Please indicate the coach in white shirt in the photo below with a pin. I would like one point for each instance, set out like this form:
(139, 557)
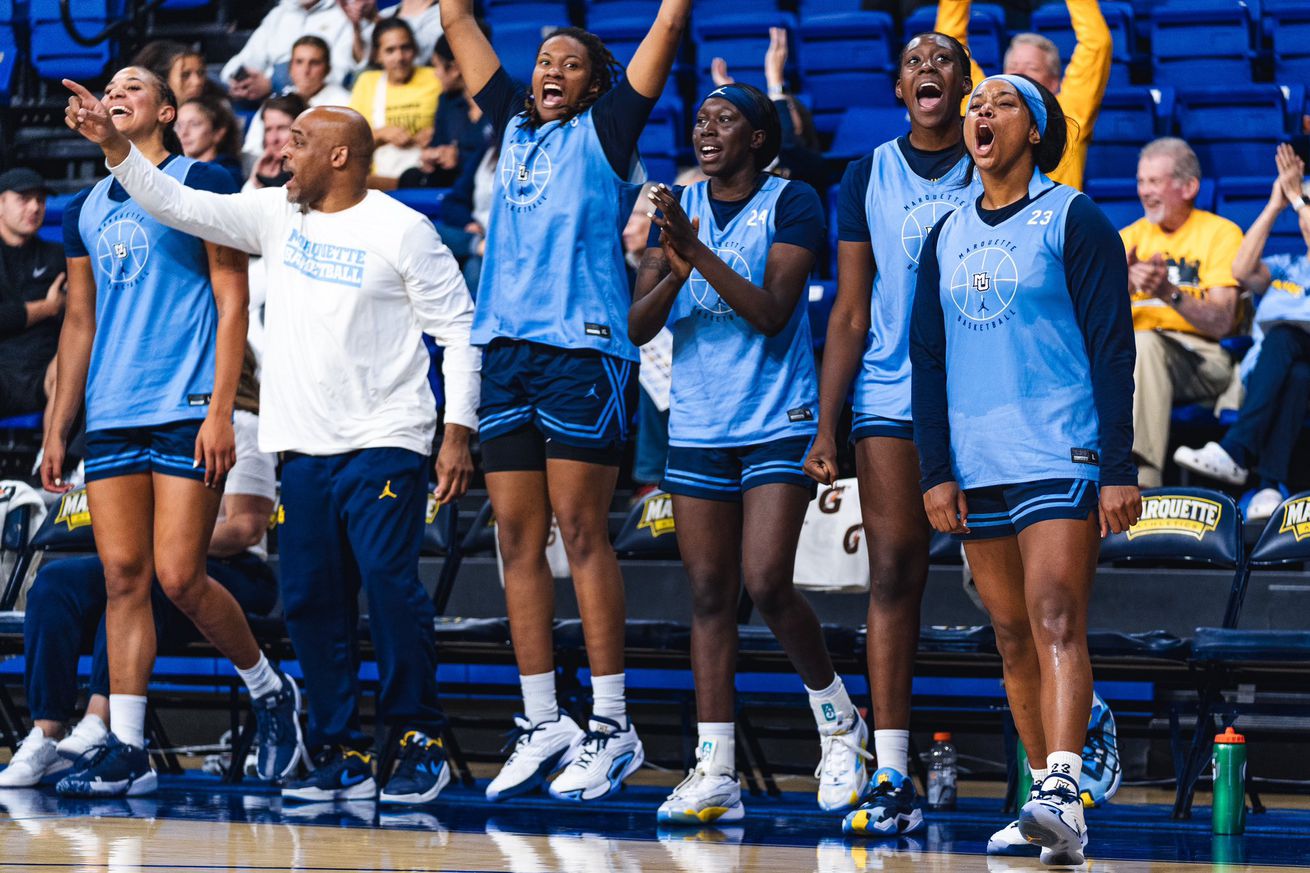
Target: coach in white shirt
(354, 277)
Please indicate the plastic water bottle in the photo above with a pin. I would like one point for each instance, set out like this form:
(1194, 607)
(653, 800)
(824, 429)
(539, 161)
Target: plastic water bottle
(941, 772)
(1228, 814)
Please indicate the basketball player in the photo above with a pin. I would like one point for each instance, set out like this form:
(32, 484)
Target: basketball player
(726, 268)
(153, 337)
(561, 374)
(888, 203)
(1022, 352)
(355, 276)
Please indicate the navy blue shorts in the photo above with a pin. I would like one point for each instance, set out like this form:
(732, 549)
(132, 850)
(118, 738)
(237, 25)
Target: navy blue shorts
(169, 449)
(576, 404)
(1004, 510)
(725, 473)
(866, 425)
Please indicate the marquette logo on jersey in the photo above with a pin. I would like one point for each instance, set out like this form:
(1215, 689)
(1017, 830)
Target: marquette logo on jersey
(922, 214)
(703, 292)
(525, 173)
(324, 261)
(122, 250)
(984, 283)
(657, 515)
(1296, 519)
(1177, 514)
(73, 510)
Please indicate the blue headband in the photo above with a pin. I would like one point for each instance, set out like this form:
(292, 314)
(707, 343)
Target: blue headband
(1028, 91)
(740, 98)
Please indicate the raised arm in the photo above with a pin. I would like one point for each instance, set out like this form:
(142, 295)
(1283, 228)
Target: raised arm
(953, 20)
(650, 66)
(1088, 71)
(233, 220)
(477, 60)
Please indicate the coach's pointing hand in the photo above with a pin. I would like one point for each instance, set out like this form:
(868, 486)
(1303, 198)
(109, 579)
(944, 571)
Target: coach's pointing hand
(87, 115)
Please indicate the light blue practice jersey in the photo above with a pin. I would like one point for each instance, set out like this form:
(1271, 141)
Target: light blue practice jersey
(1018, 379)
(554, 270)
(901, 207)
(732, 385)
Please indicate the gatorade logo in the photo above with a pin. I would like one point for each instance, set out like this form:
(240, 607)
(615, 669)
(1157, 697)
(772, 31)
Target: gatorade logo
(657, 515)
(830, 500)
(850, 541)
(1296, 519)
(73, 510)
(829, 712)
(1177, 514)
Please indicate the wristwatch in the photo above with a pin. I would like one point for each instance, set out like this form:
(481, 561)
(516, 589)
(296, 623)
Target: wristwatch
(1175, 298)
(1302, 204)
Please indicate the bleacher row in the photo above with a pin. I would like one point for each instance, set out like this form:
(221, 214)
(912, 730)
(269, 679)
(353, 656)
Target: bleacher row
(1194, 529)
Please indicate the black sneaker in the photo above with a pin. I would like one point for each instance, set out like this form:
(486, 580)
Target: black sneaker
(339, 774)
(114, 769)
(421, 772)
(278, 741)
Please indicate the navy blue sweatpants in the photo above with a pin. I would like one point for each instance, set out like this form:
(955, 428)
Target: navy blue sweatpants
(350, 520)
(66, 613)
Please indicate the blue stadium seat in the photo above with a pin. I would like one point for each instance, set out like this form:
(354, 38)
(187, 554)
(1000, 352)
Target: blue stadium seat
(863, 127)
(9, 56)
(1241, 199)
(12, 11)
(1233, 129)
(1289, 26)
(1129, 119)
(664, 133)
(1201, 42)
(739, 40)
(54, 55)
(517, 45)
(988, 36)
(1118, 198)
(1053, 22)
(541, 13)
(812, 8)
(425, 200)
(847, 60)
(622, 36)
(603, 11)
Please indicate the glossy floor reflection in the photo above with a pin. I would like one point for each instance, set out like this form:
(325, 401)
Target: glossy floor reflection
(196, 824)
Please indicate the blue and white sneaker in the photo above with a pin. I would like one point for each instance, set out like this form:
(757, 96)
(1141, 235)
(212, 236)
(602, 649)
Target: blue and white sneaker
(279, 744)
(114, 769)
(843, 776)
(1054, 820)
(609, 754)
(1101, 768)
(890, 811)
(421, 771)
(540, 751)
(339, 774)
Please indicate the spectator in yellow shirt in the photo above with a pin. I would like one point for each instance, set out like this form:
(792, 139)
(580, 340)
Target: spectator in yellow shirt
(1082, 86)
(1180, 273)
(399, 100)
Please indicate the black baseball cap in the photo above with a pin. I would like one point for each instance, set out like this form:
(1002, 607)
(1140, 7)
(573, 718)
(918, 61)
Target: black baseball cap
(22, 179)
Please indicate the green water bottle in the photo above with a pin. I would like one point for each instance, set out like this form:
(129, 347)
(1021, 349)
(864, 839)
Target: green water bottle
(1228, 814)
(1024, 784)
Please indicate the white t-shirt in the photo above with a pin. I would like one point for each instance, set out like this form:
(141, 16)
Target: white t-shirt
(254, 473)
(269, 47)
(349, 295)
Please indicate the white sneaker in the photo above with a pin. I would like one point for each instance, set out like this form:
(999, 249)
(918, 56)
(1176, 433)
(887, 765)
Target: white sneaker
(842, 774)
(89, 733)
(1264, 503)
(539, 750)
(710, 793)
(609, 754)
(1008, 841)
(35, 759)
(1211, 460)
(1054, 820)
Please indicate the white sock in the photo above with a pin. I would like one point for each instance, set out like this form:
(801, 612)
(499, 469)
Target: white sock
(891, 749)
(608, 700)
(832, 707)
(717, 742)
(1068, 764)
(261, 679)
(91, 726)
(127, 715)
(1039, 775)
(539, 703)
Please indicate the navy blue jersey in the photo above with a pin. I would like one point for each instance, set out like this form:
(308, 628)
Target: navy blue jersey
(731, 384)
(1022, 345)
(152, 361)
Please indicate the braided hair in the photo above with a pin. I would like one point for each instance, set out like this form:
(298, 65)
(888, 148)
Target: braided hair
(605, 72)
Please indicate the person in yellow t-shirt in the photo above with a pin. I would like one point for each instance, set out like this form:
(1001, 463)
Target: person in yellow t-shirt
(1185, 299)
(1079, 90)
(399, 100)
